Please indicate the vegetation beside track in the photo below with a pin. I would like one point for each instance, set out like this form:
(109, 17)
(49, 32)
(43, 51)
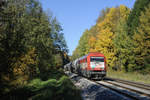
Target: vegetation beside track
(57, 86)
(32, 53)
(131, 76)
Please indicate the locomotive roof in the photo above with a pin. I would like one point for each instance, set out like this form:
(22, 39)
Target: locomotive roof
(83, 57)
(90, 54)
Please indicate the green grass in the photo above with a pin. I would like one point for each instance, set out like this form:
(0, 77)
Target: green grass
(132, 76)
(56, 87)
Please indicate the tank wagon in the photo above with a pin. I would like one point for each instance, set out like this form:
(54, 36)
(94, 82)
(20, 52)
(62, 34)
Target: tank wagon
(92, 65)
(75, 66)
(68, 67)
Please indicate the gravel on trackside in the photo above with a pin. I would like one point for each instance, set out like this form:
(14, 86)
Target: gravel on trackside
(93, 91)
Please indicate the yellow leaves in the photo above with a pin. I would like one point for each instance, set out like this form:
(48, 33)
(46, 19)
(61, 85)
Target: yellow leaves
(102, 35)
(20, 81)
(104, 38)
(113, 16)
(23, 63)
(5, 77)
(91, 43)
(110, 16)
(124, 12)
(104, 43)
(23, 67)
(141, 38)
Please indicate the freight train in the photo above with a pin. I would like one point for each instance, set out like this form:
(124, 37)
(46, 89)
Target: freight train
(92, 65)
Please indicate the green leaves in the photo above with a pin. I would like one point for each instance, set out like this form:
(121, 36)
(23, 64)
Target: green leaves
(123, 37)
(29, 40)
(133, 20)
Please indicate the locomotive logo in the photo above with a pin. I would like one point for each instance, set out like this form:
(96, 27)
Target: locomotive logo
(97, 65)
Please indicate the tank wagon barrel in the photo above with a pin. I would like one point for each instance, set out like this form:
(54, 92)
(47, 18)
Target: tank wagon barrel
(68, 66)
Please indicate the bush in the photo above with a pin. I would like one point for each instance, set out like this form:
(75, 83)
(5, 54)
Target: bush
(55, 90)
(37, 89)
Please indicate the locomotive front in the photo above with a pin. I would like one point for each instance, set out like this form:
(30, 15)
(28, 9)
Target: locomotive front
(97, 65)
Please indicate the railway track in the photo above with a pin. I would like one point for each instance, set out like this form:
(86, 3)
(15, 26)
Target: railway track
(132, 90)
(135, 84)
(129, 89)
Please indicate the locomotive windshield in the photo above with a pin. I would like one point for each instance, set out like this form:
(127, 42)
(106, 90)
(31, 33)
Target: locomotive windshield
(97, 59)
(97, 62)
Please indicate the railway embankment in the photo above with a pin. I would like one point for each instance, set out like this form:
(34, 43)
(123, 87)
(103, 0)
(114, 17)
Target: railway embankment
(107, 90)
(93, 91)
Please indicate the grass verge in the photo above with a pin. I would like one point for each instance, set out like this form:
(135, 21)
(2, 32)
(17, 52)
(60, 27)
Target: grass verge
(132, 76)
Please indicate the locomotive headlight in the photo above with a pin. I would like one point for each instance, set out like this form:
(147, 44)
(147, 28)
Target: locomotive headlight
(102, 68)
(102, 65)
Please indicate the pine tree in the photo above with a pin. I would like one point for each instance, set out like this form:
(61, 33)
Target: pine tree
(123, 48)
(133, 20)
(142, 41)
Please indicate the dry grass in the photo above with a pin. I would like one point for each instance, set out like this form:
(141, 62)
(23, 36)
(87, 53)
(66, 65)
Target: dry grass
(136, 77)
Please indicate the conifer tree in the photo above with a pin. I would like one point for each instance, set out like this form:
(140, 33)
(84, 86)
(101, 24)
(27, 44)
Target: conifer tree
(142, 41)
(123, 48)
(133, 20)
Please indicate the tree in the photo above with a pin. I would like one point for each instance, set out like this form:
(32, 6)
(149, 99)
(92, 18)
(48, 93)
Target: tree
(102, 15)
(75, 54)
(107, 31)
(30, 41)
(105, 46)
(141, 42)
(123, 48)
(133, 20)
(82, 48)
(92, 43)
(89, 38)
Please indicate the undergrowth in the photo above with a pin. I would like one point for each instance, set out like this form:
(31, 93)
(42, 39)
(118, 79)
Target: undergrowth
(56, 87)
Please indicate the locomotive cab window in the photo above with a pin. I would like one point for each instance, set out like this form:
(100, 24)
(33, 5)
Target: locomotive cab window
(97, 59)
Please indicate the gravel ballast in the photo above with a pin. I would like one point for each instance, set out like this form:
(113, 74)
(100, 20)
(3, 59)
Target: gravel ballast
(93, 91)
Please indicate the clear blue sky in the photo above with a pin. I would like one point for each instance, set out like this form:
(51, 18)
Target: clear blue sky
(77, 15)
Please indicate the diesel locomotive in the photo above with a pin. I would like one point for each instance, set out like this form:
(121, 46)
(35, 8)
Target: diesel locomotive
(92, 65)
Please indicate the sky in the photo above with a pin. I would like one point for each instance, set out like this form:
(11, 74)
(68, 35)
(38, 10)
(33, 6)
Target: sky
(75, 16)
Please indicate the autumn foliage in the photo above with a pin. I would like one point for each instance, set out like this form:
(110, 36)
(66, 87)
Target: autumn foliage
(126, 49)
(32, 46)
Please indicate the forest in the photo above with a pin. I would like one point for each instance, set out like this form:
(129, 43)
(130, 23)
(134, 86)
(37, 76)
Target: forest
(32, 54)
(33, 49)
(122, 35)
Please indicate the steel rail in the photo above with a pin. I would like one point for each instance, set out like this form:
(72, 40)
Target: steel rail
(123, 93)
(118, 91)
(132, 90)
(131, 83)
